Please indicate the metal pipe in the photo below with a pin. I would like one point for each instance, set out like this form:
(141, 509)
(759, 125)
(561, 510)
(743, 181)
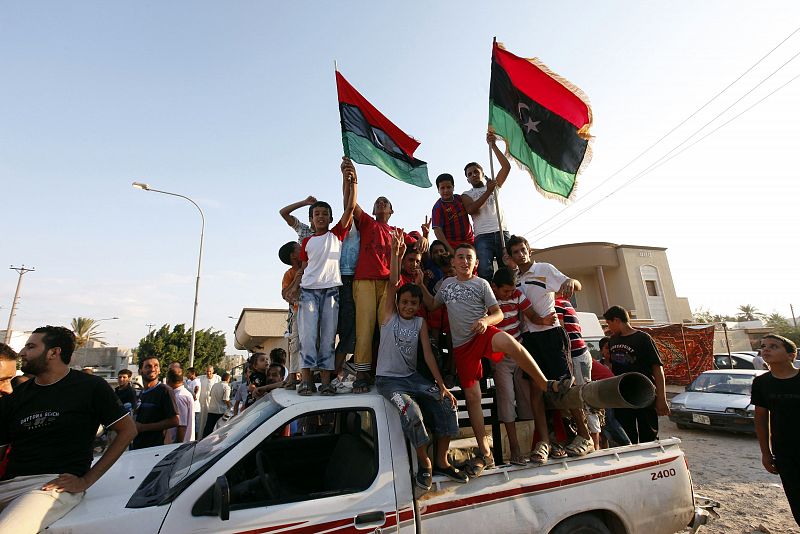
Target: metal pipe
(629, 390)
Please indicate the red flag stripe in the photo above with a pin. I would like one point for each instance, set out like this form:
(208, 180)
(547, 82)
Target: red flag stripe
(542, 87)
(376, 119)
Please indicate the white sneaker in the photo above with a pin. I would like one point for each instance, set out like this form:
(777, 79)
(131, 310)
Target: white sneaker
(341, 386)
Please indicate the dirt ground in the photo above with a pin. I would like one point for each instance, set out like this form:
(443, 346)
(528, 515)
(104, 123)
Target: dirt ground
(727, 468)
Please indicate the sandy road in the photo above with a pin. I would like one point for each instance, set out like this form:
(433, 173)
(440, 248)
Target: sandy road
(727, 467)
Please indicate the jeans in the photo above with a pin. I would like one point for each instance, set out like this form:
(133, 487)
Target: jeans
(613, 431)
(488, 248)
(317, 318)
(409, 394)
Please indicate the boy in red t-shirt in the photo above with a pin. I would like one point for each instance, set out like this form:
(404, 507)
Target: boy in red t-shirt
(449, 217)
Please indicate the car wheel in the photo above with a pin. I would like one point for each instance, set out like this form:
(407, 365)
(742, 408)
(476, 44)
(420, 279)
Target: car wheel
(582, 524)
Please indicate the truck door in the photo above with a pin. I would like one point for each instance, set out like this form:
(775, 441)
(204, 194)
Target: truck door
(320, 471)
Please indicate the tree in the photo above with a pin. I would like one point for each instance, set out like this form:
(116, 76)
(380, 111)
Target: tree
(748, 312)
(173, 345)
(704, 315)
(85, 330)
(777, 321)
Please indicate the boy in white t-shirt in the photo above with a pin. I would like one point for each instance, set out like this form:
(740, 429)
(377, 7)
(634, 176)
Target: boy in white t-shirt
(318, 311)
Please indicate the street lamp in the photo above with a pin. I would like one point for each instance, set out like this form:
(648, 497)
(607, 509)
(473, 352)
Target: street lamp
(146, 187)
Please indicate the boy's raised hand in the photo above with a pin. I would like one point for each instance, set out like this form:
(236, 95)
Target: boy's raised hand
(348, 169)
(491, 138)
(310, 200)
(426, 227)
(398, 244)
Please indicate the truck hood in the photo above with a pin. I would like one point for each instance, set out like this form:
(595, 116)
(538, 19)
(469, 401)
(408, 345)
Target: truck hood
(711, 402)
(103, 507)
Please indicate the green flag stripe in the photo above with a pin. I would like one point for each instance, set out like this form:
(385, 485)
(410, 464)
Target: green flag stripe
(547, 177)
(362, 150)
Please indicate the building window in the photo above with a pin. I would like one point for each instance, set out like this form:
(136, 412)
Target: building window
(652, 288)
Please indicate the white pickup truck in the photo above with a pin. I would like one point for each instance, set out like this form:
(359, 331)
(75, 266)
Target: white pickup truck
(341, 464)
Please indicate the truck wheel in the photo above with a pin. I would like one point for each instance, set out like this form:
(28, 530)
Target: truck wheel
(582, 524)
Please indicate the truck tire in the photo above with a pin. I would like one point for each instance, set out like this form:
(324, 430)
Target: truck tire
(582, 524)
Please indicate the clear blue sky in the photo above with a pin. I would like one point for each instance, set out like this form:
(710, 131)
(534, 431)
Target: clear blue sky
(234, 105)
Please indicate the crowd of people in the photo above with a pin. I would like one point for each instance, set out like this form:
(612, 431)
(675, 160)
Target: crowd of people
(389, 310)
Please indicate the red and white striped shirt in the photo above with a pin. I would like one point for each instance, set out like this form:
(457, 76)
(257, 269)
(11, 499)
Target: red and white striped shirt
(512, 308)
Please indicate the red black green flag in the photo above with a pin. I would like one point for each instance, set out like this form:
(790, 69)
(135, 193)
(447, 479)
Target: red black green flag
(544, 120)
(372, 139)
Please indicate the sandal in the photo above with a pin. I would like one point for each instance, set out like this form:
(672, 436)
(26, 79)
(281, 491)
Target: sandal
(306, 388)
(518, 459)
(452, 473)
(580, 446)
(557, 451)
(361, 386)
(477, 465)
(424, 479)
(327, 390)
(540, 453)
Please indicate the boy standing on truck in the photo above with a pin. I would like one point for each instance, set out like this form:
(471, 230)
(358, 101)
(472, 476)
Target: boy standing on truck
(449, 218)
(468, 299)
(318, 313)
(398, 380)
(634, 351)
(289, 254)
(776, 396)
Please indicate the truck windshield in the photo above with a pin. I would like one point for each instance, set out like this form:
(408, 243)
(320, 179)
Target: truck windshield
(168, 478)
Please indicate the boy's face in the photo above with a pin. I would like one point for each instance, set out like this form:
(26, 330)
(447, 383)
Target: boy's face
(407, 305)
(411, 263)
(464, 263)
(502, 292)
(123, 380)
(294, 254)
(274, 375)
(320, 218)
(381, 207)
(520, 254)
(260, 364)
(446, 190)
(192, 375)
(437, 251)
(773, 351)
(614, 326)
(474, 175)
(604, 351)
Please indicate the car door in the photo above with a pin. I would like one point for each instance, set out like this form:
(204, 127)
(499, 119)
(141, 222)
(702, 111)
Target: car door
(329, 471)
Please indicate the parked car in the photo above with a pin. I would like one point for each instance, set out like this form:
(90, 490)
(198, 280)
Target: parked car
(736, 360)
(717, 399)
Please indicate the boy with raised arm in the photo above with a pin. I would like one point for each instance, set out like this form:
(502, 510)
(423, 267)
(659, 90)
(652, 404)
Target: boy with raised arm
(318, 312)
(473, 312)
(302, 229)
(399, 381)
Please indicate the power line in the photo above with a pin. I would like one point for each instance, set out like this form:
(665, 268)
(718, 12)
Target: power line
(663, 161)
(684, 121)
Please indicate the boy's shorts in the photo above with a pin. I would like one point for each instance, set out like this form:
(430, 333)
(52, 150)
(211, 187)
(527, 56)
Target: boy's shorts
(468, 357)
(550, 350)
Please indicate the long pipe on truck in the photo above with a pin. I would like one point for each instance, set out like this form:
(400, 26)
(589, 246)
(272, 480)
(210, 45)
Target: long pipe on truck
(629, 390)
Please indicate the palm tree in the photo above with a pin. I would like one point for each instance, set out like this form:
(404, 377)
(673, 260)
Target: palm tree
(85, 330)
(748, 312)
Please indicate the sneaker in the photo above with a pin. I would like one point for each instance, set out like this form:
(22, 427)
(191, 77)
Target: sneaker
(341, 386)
(454, 474)
(424, 479)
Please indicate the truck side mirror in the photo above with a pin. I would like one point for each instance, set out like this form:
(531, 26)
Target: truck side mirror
(222, 498)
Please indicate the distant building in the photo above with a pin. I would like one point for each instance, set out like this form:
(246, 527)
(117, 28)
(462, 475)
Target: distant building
(261, 330)
(104, 361)
(637, 278)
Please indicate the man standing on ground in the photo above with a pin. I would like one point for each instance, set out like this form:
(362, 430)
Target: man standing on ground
(207, 381)
(219, 402)
(192, 383)
(124, 390)
(479, 203)
(156, 412)
(184, 402)
(50, 423)
(634, 351)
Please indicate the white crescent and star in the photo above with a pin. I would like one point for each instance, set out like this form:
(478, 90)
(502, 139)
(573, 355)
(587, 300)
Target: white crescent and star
(530, 125)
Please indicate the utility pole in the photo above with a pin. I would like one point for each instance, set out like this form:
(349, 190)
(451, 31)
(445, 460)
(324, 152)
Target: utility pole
(149, 328)
(794, 319)
(21, 270)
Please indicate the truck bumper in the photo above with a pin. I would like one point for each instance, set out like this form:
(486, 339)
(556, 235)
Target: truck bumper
(704, 511)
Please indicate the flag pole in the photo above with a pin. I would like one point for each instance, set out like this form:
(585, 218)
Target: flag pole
(345, 144)
(494, 193)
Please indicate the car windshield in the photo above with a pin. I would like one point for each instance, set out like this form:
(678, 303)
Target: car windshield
(730, 383)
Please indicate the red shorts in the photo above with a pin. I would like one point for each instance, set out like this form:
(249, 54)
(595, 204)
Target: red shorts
(468, 357)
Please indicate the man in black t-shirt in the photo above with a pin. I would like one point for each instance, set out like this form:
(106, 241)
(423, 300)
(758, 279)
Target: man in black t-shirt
(156, 411)
(634, 351)
(124, 390)
(48, 424)
(776, 396)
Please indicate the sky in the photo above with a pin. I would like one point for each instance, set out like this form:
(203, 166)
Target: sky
(234, 105)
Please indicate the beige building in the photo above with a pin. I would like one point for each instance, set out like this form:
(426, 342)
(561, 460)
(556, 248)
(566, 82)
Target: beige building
(637, 278)
(261, 330)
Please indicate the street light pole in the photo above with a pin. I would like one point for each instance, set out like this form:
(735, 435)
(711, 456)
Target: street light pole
(21, 270)
(145, 187)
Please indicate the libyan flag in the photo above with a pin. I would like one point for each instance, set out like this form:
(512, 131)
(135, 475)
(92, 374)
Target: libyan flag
(372, 139)
(544, 120)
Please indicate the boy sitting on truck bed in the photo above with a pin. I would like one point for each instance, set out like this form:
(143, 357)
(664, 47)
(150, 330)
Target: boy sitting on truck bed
(397, 378)
(468, 298)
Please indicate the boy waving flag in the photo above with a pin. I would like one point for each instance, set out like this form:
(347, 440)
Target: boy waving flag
(372, 139)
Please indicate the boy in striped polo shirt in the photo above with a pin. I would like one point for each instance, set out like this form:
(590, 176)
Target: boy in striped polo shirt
(449, 218)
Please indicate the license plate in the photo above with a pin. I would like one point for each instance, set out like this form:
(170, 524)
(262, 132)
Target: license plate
(702, 419)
